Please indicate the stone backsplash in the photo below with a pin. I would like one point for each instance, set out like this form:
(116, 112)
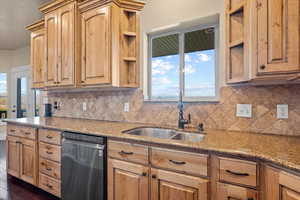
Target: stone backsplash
(108, 105)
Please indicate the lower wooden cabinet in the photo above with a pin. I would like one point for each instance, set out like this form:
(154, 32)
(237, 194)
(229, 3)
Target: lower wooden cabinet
(230, 192)
(167, 185)
(28, 161)
(127, 181)
(280, 185)
(13, 156)
(22, 159)
(289, 194)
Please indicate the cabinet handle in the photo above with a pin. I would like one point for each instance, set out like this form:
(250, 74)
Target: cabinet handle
(233, 198)
(262, 67)
(48, 169)
(237, 173)
(49, 186)
(154, 176)
(49, 137)
(177, 162)
(49, 152)
(144, 174)
(12, 131)
(27, 133)
(125, 153)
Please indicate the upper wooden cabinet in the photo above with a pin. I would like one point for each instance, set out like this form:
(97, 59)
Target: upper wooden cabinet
(263, 41)
(110, 43)
(95, 38)
(90, 43)
(60, 46)
(37, 53)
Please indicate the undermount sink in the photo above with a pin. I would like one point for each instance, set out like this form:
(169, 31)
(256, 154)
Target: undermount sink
(163, 133)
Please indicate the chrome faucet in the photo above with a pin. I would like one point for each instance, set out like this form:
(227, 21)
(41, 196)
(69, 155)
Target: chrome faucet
(181, 121)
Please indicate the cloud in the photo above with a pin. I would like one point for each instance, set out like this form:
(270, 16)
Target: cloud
(188, 58)
(203, 57)
(161, 81)
(161, 67)
(189, 69)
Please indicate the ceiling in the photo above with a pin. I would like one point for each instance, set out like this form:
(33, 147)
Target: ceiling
(14, 16)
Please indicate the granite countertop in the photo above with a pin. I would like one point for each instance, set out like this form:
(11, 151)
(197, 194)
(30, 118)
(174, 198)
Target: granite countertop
(281, 150)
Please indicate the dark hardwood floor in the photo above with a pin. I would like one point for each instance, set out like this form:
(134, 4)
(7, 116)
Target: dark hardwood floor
(14, 189)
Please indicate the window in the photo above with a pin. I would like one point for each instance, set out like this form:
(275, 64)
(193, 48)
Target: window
(183, 61)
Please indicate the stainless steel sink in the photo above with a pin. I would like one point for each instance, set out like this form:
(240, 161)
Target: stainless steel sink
(163, 133)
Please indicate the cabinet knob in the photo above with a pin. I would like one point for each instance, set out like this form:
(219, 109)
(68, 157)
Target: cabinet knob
(262, 67)
(144, 174)
(154, 176)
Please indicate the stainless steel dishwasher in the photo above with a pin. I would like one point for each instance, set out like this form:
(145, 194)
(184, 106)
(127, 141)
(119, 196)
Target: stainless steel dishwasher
(83, 167)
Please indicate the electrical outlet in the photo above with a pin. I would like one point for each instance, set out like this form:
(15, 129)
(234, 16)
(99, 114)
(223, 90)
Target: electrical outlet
(126, 107)
(282, 111)
(244, 110)
(84, 106)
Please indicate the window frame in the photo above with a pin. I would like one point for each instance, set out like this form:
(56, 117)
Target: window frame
(181, 29)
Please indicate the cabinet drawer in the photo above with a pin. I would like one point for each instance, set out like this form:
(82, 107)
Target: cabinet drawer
(180, 161)
(49, 184)
(230, 192)
(50, 168)
(129, 152)
(238, 171)
(51, 152)
(50, 136)
(22, 131)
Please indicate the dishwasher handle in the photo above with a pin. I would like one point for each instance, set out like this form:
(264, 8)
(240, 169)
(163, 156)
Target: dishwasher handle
(84, 144)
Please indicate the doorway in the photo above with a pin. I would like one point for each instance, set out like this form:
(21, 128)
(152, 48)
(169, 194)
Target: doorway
(22, 96)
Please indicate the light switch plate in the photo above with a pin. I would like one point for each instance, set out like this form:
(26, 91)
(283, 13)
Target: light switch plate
(244, 110)
(126, 107)
(282, 111)
(84, 106)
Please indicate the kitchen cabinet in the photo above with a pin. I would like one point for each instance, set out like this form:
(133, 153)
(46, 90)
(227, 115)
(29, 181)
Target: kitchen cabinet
(263, 41)
(28, 161)
(50, 161)
(231, 192)
(13, 156)
(290, 195)
(110, 43)
(22, 158)
(280, 185)
(60, 46)
(37, 53)
(127, 181)
(166, 185)
(89, 44)
(95, 64)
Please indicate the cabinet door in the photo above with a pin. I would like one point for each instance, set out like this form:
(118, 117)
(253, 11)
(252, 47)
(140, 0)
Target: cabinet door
(290, 195)
(127, 181)
(230, 192)
(173, 186)
(95, 33)
(278, 36)
(38, 58)
(51, 26)
(28, 161)
(66, 42)
(13, 156)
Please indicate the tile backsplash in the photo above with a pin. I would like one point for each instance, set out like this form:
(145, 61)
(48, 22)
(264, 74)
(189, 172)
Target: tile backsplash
(109, 105)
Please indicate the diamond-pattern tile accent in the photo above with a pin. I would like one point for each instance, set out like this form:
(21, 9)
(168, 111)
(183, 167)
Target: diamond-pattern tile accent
(108, 105)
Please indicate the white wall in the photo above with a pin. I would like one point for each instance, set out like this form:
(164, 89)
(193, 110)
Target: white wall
(162, 13)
